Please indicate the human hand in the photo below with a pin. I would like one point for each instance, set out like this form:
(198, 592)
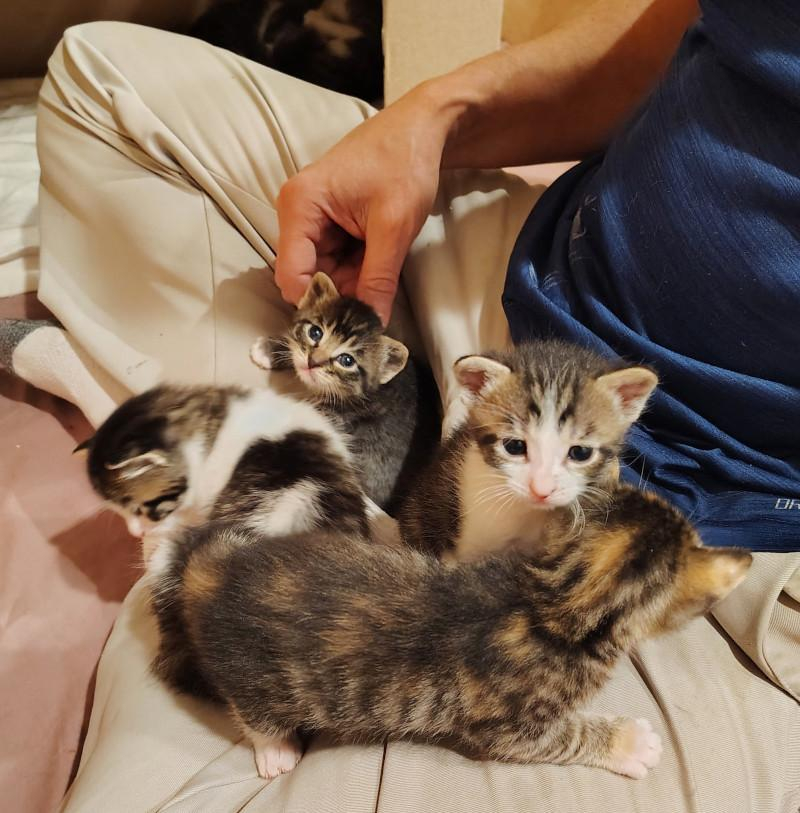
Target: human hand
(355, 212)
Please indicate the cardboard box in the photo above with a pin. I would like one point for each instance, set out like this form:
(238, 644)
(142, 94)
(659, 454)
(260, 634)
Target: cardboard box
(422, 39)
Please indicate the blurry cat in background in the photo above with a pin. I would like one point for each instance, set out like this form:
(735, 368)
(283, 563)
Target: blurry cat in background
(335, 44)
(540, 436)
(385, 401)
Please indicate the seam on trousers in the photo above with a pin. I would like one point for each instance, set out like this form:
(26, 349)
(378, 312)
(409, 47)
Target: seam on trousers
(689, 781)
(213, 279)
(380, 778)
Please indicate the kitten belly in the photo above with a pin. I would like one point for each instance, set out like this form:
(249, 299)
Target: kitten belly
(489, 522)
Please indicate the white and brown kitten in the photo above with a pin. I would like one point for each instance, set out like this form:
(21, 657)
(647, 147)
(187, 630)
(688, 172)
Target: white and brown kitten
(178, 456)
(542, 431)
(385, 401)
(321, 632)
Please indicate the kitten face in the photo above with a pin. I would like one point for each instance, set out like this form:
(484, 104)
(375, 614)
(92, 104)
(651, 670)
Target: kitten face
(551, 421)
(337, 346)
(649, 560)
(136, 459)
(143, 487)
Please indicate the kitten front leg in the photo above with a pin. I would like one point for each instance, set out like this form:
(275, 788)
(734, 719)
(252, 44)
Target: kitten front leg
(270, 354)
(276, 754)
(619, 744)
(275, 751)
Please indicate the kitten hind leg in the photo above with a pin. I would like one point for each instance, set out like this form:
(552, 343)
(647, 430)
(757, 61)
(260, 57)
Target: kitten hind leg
(619, 744)
(635, 749)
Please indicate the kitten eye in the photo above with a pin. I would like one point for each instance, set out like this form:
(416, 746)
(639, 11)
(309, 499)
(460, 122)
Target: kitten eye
(315, 333)
(346, 360)
(515, 447)
(580, 454)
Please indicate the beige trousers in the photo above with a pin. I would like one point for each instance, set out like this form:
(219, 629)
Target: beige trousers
(161, 161)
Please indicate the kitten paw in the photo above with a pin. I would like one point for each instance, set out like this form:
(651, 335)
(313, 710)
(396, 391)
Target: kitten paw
(259, 353)
(276, 755)
(636, 749)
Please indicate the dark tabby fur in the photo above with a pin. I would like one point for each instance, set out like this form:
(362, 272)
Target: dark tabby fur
(322, 632)
(545, 388)
(385, 402)
(335, 44)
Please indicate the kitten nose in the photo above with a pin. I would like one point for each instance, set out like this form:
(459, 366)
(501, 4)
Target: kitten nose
(312, 363)
(539, 493)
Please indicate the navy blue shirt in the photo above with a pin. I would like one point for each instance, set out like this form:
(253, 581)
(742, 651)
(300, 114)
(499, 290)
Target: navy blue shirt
(680, 248)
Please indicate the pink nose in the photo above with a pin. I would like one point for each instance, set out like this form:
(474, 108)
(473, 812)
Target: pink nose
(540, 496)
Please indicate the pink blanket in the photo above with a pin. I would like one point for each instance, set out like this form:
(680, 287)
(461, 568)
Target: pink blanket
(64, 568)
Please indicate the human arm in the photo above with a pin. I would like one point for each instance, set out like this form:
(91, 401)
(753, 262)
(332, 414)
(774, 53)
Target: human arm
(355, 211)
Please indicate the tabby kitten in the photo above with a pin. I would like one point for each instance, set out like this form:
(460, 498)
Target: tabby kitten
(335, 44)
(322, 632)
(385, 402)
(541, 431)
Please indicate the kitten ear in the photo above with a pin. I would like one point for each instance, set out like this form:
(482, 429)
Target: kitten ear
(320, 289)
(629, 389)
(83, 447)
(395, 356)
(712, 573)
(479, 374)
(138, 465)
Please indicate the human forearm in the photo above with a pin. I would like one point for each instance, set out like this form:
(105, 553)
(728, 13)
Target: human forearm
(560, 96)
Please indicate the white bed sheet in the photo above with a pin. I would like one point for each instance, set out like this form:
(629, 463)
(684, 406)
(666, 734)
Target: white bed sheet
(19, 187)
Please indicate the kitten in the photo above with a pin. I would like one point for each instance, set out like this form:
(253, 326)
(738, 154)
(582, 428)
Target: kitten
(384, 401)
(198, 453)
(335, 44)
(319, 631)
(542, 430)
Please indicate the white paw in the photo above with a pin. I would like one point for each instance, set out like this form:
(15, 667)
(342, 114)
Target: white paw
(276, 755)
(259, 353)
(636, 749)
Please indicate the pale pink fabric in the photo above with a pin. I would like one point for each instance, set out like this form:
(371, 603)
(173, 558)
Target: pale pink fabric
(64, 569)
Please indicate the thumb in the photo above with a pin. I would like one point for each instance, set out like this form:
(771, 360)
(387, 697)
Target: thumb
(387, 243)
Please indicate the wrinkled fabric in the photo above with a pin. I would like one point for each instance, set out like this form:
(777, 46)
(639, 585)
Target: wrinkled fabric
(679, 248)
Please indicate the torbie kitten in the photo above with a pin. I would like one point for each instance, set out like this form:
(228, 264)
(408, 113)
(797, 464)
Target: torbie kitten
(543, 427)
(385, 402)
(318, 631)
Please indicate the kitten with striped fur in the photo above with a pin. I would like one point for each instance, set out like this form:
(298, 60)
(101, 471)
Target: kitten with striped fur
(539, 431)
(385, 402)
(321, 632)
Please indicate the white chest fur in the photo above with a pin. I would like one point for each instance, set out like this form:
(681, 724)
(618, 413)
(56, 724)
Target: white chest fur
(492, 520)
